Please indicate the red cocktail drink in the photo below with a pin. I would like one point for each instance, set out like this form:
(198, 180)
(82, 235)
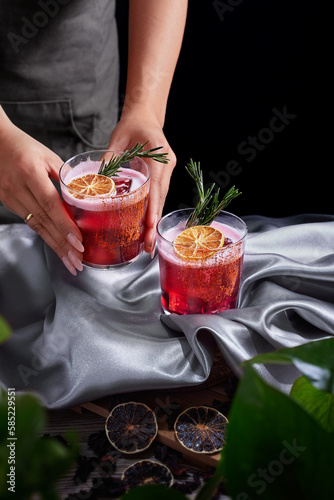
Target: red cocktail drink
(112, 224)
(208, 285)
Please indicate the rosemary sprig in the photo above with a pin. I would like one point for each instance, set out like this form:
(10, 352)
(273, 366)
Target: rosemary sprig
(208, 205)
(112, 167)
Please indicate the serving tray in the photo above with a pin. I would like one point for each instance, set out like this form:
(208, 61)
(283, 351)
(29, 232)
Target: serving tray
(163, 402)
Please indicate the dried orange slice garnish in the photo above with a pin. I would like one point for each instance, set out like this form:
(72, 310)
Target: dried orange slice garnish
(147, 472)
(198, 242)
(131, 427)
(201, 429)
(92, 185)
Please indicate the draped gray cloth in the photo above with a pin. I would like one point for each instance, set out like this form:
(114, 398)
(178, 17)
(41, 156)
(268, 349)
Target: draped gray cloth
(103, 332)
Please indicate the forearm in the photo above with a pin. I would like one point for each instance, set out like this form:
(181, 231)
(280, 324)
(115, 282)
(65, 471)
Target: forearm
(155, 36)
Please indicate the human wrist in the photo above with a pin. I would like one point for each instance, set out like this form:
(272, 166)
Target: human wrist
(148, 110)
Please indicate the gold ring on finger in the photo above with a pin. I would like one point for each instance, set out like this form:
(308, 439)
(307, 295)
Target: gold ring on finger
(27, 219)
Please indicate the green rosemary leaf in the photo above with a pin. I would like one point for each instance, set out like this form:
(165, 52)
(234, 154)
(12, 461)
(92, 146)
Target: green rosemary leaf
(208, 205)
(111, 168)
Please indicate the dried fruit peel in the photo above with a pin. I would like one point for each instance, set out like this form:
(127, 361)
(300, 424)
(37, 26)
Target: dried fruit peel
(131, 427)
(91, 185)
(148, 472)
(201, 429)
(198, 242)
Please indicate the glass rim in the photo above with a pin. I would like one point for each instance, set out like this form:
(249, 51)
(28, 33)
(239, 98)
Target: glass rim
(190, 210)
(102, 196)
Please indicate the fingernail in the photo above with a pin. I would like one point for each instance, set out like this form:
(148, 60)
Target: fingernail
(74, 259)
(152, 253)
(69, 266)
(75, 242)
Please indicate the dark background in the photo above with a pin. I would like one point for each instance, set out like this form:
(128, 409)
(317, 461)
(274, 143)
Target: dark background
(240, 61)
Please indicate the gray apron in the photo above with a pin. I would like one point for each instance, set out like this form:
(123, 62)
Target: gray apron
(59, 71)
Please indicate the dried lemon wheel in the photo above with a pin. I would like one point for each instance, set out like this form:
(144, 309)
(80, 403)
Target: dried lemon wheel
(92, 185)
(131, 427)
(147, 472)
(198, 242)
(201, 429)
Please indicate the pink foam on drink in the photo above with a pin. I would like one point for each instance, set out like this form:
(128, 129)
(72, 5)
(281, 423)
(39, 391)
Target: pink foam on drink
(128, 180)
(168, 253)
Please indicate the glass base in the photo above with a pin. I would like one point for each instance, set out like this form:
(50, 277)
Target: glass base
(232, 305)
(165, 310)
(109, 267)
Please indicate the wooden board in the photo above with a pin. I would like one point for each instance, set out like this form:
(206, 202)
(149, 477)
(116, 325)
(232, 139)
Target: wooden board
(202, 394)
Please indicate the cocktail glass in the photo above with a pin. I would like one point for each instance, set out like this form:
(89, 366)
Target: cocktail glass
(196, 286)
(112, 227)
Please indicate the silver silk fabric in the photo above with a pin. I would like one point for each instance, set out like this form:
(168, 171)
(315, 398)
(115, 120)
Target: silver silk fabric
(79, 338)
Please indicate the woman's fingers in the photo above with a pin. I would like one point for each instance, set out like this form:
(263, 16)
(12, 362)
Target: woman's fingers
(26, 189)
(128, 132)
(51, 221)
(160, 180)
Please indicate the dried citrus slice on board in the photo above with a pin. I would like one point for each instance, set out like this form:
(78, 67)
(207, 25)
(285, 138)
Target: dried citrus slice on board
(198, 242)
(201, 429)
(148, 472)
(131, 427)
(92, 185)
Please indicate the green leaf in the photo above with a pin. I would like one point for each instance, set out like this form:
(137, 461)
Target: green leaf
(317, 403)
(210, 486)
(39, 462)
(29, 421)
(51, 459)
(153, 492)
(315, 360)
(274, 448)
(5, 330)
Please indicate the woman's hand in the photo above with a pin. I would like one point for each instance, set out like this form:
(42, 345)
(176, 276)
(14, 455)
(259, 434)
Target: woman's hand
(137, 128)
(26, 167)
(155, 36)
